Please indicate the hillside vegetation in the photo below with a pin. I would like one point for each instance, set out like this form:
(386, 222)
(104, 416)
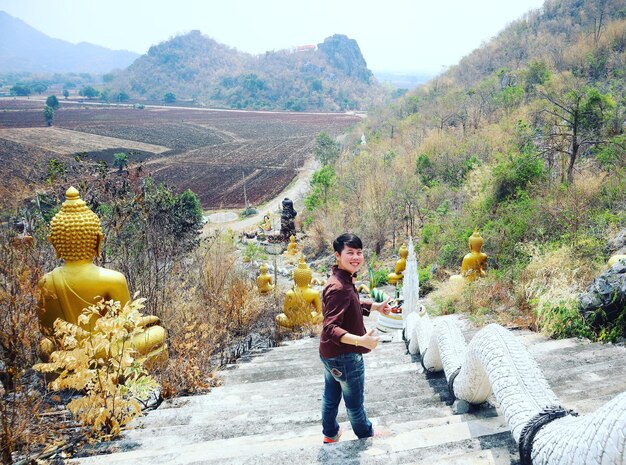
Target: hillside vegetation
(333, 76)
(523, 139)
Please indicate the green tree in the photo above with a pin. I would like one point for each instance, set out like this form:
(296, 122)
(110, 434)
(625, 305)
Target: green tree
(148, 234)
(40, 88)
(20, 90)
(169, 97)
(516, 172)
(122, 97)
(575, 119)
(89, 92)
(120, 161)
(537, 74)
(53, 102)
(48, 114)
(321, 184)
(104, 95)
(326, 149)
(66, 93)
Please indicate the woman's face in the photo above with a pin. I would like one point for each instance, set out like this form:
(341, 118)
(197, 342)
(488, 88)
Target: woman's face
(350, 259)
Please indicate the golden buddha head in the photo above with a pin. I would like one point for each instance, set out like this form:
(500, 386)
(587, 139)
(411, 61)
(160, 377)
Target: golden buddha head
(263, 268)
(302, 274)
(75, 231)
(475, 241)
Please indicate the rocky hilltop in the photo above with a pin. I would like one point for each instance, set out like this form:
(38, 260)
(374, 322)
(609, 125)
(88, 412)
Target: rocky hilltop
(329, 76)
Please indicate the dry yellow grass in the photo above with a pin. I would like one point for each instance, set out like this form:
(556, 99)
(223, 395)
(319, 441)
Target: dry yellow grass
(66, 141)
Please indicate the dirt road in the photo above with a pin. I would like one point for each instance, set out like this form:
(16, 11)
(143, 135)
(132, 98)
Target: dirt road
(295, 191)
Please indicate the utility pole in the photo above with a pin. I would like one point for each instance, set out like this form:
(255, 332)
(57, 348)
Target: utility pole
(245, 194)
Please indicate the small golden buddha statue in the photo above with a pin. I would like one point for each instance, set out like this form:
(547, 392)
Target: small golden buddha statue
(264, 281)
(76, 236)
(292, 247)
(475, 262)
(303, 304)
(318, 282)
(266, 224)
(397, 276)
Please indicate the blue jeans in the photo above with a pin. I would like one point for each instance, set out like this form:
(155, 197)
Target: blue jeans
(345, 375)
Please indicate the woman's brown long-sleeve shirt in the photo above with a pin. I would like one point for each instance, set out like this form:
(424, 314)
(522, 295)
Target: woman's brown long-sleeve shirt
(343, 313)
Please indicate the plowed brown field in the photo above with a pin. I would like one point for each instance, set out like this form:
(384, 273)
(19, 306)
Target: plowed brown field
(208, 151)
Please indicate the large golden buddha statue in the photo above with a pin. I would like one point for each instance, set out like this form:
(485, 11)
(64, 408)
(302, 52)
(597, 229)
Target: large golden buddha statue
(303, 304)
(78, 283)
(264, 281)
(475, 262)
(394, 278)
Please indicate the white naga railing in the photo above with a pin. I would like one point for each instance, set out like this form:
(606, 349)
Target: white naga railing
(495, 361)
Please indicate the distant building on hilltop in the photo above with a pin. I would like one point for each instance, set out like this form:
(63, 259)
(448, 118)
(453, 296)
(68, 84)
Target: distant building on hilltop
(305, 48)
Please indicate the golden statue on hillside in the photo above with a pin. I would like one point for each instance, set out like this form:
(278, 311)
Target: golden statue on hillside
(616, 258)
(292, 247)
(475, 262)
(303, 304)
(264, 282)
(394, 278)
(266, 224)
(76, 235)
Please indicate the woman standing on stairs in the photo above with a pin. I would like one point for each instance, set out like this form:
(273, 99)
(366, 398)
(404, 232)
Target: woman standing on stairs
(343, 341)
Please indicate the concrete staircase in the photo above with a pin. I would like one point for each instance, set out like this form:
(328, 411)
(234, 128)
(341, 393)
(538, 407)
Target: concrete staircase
(268, 410)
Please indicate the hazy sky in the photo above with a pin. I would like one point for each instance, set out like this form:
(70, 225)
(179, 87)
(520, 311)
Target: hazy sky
(394, 35)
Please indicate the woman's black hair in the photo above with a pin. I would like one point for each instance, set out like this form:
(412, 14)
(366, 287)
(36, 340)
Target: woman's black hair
(347, 239)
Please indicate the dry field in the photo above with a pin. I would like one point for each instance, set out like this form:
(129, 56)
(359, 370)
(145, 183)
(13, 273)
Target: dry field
(66, 141)
(208, 151)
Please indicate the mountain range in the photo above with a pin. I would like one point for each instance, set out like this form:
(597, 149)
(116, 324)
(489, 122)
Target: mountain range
(193, 67)
(25, 49)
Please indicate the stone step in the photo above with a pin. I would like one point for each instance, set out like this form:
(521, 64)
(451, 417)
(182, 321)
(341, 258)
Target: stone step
(260, 370)
(267, 422)
(358, 453)
(287, 353)
(496, 456)
(267, 380)
(245, 423)
(403, 437)
(379, 400)
(413, 408)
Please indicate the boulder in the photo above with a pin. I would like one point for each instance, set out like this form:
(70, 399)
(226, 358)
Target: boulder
(608, 294)
(618, 244)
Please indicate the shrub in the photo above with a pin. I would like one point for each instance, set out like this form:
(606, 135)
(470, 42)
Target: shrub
(380, 278)
(212, 306)
(552, 289)
(103, 364)
(447, 297)
(20, 405)
(561, 319)
(248, 212)
(254, 252)
(515, 173)
(425, 281)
